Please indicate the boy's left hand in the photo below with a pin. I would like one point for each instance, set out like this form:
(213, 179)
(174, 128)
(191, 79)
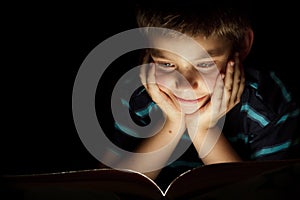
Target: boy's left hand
(226, 95)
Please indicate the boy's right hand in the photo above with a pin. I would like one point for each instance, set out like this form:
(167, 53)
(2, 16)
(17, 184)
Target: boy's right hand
(162, 99)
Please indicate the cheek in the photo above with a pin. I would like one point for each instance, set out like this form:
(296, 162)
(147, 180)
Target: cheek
(210, 79)
(164, 79)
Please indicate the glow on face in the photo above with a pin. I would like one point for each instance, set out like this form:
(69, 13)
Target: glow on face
(190, 79)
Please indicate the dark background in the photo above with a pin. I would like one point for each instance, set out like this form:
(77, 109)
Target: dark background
(44, 45)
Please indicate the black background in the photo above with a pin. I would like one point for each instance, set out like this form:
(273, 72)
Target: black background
(44, 45)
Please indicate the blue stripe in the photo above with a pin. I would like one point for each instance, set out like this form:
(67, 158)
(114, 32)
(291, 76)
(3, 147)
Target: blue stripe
(185, 136)
(284, 92)
(143, 112)
(146, 110)
(140, 92)
(125, 103)
(239, 136)
(270, 150)
(254, 115)
(253, 85)
(295, 113)
(125, 130)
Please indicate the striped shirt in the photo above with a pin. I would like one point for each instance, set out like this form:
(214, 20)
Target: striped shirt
(263, 126)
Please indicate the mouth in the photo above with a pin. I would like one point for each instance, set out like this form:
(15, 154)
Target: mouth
(190, 101)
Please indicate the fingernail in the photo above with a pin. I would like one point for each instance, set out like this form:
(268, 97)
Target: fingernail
(231, 63)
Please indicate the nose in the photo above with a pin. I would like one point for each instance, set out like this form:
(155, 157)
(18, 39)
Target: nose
(190, 78)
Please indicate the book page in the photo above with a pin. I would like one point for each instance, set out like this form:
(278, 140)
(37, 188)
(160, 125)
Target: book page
(108, 183)
(207, 178)
(280, 183)
(127, 184)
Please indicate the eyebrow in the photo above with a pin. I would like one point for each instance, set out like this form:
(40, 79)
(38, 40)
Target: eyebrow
(160, 53)
(215, 52)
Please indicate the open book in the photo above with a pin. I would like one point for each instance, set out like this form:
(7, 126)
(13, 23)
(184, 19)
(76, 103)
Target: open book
(126, 184)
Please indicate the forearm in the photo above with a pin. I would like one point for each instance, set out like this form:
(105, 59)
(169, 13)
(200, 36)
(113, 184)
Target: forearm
(213, 147)
(155, 151)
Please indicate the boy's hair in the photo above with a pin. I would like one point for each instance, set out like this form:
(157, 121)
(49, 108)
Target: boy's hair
(197, 18)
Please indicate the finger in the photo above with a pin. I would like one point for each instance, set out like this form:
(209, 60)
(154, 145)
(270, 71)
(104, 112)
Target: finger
(152, 87)
(217, 99)
(241, 86)
(236, 81)
(143, 75)
(158, 95)
(228, 84)
(151, 74)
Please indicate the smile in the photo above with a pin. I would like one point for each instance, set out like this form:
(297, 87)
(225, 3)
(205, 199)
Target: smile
(189, 101)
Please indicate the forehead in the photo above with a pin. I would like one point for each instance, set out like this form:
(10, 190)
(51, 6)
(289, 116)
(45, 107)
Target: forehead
(190, 48)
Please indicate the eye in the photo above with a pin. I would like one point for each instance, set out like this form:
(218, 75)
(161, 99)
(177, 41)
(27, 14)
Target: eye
(165, 64)
(206, 65)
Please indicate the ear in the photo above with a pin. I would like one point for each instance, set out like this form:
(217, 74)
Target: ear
(247, 44)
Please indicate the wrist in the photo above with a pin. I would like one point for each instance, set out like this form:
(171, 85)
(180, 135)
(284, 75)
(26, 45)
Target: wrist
(204, 139)
(175, 125)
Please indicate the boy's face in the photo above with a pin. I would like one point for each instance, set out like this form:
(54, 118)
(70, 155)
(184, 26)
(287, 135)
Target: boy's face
(188, 76)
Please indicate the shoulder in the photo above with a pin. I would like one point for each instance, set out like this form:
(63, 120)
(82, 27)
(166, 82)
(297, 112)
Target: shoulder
(269, 117)
(266, 101)
(265, 87)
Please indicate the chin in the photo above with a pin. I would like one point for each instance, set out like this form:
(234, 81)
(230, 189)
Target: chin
(189, 110)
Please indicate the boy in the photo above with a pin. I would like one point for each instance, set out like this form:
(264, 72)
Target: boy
(228, 112)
